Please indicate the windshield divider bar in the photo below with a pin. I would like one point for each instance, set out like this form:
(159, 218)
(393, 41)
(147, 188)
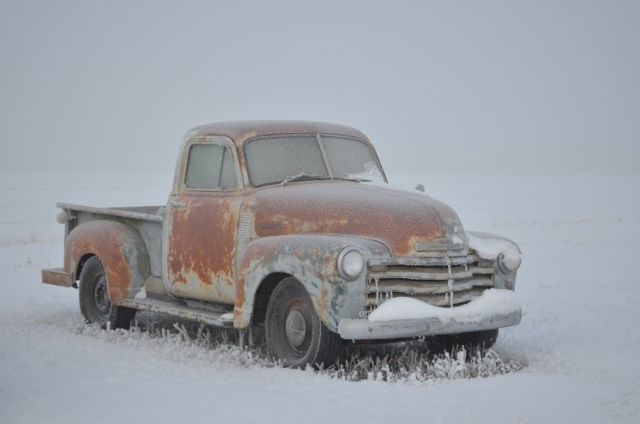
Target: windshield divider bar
(324, 155)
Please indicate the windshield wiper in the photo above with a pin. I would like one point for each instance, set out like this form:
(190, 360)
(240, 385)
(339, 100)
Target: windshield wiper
(357, 179)
(303, 176)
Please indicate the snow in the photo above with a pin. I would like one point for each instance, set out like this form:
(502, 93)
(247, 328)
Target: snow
(578, 338)
(227, 316)
(370, 173)
(491, 302)
(488, 247)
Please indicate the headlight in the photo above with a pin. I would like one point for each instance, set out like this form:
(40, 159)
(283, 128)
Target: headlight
(509, 261)
(350, 263)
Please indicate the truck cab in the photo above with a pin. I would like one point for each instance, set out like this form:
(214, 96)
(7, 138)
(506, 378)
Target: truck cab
(289, 230)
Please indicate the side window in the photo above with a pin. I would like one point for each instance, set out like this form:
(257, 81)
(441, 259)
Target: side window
(210, 167)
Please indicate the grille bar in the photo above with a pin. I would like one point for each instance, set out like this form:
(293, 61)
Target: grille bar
(435, 300)
(411, 288)
(424, 261)
(422, 274)
(440, 281)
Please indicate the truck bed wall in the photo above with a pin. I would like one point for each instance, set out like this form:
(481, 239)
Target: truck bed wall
(149, 230)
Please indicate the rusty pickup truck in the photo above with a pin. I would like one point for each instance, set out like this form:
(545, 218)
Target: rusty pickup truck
(289, 232)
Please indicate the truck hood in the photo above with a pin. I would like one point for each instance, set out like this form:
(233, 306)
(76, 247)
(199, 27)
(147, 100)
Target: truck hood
(406, 222)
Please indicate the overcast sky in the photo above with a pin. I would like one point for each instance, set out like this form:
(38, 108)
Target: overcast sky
(519, 87)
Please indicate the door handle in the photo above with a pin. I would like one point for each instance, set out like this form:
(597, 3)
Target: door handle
(177, 205)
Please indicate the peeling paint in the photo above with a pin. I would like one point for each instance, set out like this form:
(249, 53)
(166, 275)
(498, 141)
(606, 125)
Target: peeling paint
(120, 249)
(311, 259)
(202, 246)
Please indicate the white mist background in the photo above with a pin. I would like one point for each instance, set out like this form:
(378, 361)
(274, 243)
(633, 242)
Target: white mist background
(440, 87)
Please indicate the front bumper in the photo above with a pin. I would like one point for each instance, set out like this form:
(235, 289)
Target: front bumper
(455, 320)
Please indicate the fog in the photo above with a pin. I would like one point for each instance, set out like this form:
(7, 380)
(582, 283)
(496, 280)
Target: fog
(440, 87)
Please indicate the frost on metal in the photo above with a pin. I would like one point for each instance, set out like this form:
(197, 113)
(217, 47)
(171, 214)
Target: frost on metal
(489, 246)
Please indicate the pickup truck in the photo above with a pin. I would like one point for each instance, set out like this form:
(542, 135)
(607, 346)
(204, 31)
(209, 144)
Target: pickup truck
(289, 233)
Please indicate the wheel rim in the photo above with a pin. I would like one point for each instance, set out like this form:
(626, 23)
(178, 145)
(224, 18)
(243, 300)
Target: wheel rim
(101, 296)
(296, 328)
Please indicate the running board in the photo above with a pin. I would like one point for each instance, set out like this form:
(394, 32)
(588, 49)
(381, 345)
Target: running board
(154, 305)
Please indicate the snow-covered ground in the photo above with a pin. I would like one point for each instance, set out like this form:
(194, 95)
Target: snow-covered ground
(579, 335)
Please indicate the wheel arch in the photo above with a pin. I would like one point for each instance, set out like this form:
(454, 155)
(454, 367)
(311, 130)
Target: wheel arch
(81, 262)
(119, 248)
(263, 294)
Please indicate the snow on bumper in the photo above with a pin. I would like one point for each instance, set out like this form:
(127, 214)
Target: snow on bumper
(404, 317)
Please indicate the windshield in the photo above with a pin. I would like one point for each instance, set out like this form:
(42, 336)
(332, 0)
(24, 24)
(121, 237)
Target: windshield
(294, 158)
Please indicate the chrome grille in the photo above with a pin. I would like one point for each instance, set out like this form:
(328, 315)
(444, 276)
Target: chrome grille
(447, 279)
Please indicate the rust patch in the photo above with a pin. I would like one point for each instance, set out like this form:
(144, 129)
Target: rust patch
(396, 219)
(101, 238)
(57, 277)
(312, 260)
(202, 246)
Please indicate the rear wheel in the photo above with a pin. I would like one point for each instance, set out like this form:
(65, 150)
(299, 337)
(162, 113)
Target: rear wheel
(95, 303)
(294, 331)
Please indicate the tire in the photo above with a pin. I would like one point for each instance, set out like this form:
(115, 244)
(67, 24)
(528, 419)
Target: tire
(122, 317)
(469, 341)
(95, 305)
(293, 330)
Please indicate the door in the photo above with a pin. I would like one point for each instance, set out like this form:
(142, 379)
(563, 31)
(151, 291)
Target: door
(203, 222)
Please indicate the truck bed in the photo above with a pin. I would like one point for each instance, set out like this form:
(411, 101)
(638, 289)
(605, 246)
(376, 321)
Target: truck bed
(147, 220)
(143, 213)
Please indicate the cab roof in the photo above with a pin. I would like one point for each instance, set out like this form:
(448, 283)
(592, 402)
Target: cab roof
(240, 131)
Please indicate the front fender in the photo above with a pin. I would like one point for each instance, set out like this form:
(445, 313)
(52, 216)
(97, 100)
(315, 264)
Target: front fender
(121, 250)
(488, 247)
(311, 259)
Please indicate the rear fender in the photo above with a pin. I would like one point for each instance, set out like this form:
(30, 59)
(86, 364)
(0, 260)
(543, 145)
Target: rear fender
(120, 249)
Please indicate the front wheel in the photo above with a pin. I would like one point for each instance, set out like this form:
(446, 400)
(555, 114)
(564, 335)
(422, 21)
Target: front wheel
(294, 331)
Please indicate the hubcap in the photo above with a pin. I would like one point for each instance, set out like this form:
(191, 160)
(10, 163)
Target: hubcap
(296, 328)
(101, 296)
